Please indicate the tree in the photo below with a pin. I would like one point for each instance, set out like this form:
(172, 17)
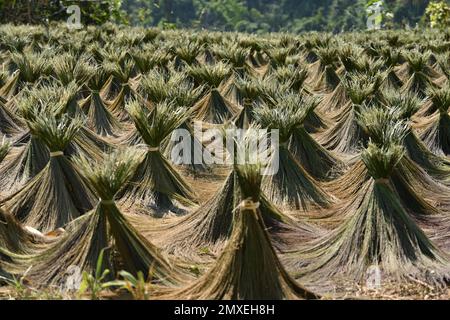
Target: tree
(439, 14)
(228, 13)
(40, 11)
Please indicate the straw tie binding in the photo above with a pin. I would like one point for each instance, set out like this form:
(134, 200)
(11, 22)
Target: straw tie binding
(382, 180)
(248, 204)
(107, 202)
(152, 149)
(56, 154)
(247, 101)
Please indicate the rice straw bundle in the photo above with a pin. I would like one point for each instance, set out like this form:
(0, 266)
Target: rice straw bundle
(405, 106)
(377, 231)
(334, 100)
(103, 228)
(435, 131)
(237, 56)
(12, 235)
(250, 94)
(99, 118)
(209, 227)
(9, 86)
(184, 95)
(248, 268)
(150, 58)
(443, 61)
(346, 136)
(391, 57)
(315, 159)
(418, 75)
(29, 155)
(68, 68)
(278, 56)
(32, 66)
(349, 55)
(156, 181)
(295, 76)
(414, 186)
(12, 239)
(437, 98)
(4, 149)
(291, 185)
(123, 73)
(186, 53)
(324, 77)
(157, 86)
(10, 123)
(57, 194)
(23, 162)
(256, 55)
(213, 107)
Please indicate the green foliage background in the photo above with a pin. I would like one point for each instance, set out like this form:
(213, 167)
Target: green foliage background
(228, 15)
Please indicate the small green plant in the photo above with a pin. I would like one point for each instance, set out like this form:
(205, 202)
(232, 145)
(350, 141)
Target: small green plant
(195, 270)
(205, 250)
(20, 289)
(95, 284)
(136, 286)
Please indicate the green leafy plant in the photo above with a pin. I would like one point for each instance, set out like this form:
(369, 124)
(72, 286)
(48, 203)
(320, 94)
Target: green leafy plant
(136, 286)
(95, 283)
(439, 14)
(20, 289)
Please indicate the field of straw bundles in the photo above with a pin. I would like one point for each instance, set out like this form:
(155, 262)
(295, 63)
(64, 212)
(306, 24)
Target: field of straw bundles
(93, 205)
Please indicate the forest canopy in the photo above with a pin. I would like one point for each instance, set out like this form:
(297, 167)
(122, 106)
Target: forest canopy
(224, 15)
